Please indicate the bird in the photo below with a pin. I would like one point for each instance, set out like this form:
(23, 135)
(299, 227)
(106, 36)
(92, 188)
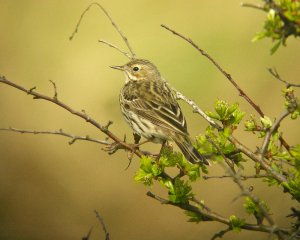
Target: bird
(150, 108)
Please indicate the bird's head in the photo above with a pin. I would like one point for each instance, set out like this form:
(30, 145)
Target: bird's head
(139, 70)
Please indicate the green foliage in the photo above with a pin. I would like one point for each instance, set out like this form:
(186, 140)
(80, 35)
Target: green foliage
(236, 223)
(282, 21)
(180, 191)
(229, 115)
(148, 170)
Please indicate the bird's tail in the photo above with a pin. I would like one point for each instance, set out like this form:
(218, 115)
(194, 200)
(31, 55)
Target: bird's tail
(190, 153)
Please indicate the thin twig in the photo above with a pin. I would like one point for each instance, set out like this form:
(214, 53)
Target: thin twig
(98, 216)
(275, 74)
(81, 114)
(59, 132)
(115, 47)
(274, 127)
(112, 22)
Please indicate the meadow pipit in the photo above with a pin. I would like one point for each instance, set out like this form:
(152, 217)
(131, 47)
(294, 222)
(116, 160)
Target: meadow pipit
(151, 110)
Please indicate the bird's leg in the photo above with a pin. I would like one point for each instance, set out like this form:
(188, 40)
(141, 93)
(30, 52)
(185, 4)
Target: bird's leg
(137, 138)
(136, 145)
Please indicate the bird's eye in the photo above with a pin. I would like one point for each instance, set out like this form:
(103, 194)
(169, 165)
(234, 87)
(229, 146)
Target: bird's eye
(135, 69)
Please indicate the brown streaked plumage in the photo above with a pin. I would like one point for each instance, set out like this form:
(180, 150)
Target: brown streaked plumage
(151, 110)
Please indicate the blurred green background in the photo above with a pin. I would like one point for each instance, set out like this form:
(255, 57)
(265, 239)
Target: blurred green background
(48, 189)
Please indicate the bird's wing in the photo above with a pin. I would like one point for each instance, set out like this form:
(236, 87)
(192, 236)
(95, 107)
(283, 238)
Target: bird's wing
(155, 102)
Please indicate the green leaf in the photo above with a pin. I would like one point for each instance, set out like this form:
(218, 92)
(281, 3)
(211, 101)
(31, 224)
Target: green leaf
(143, 177)
(180, 192)
(193, 171)
(147, 171)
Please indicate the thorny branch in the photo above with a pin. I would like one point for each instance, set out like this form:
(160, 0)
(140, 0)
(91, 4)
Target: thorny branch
(80, 114)
(112, 22)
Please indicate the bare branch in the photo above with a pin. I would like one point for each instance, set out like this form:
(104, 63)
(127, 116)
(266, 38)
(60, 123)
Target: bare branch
(227, 75)
(112, 22)
(81, 114)
(275, 74)
(117, 48)
(98, 216)
(59, 132)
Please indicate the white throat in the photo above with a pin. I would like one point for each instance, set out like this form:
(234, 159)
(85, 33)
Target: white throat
(129, 77)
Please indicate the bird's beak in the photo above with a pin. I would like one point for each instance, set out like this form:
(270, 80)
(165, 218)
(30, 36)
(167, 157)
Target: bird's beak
(118, 67)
